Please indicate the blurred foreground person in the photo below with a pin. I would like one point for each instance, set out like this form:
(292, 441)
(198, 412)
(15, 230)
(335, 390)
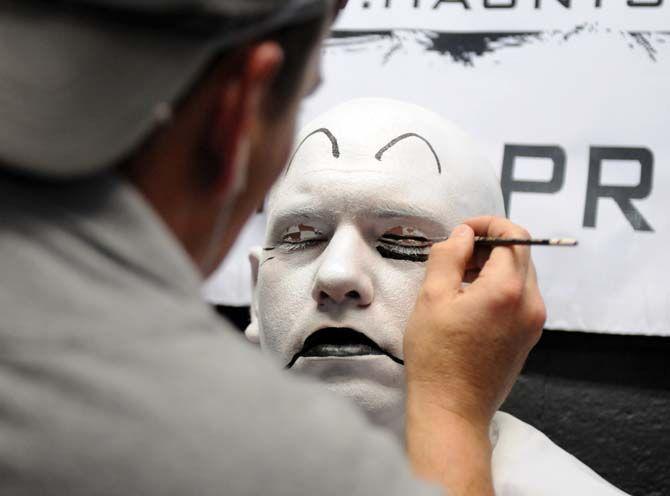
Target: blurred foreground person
(136, 137)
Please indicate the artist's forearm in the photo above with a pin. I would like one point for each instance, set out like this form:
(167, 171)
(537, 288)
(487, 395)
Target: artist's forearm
(448, 449)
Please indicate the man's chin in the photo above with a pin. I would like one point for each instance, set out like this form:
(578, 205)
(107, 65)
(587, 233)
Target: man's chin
(376, 400)
(358, 371)
(373, 382)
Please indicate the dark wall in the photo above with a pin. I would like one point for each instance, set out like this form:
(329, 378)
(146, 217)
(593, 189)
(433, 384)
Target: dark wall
(605, 399)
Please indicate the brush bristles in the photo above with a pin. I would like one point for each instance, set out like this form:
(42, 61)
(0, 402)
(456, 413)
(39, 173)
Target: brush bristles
(564, 242)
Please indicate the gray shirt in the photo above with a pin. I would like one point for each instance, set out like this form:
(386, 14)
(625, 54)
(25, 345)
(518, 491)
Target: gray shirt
(115, 378)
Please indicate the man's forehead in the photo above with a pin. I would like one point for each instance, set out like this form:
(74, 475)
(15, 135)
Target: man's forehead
(369, 124)
(395, 142)
(370, 135)
(367, 209)
(373, 131)
(402, 155)
(329, 193)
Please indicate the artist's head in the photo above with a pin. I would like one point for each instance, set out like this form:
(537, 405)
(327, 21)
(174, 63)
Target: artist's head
(368, 184)
(232, 137)
(193, 101)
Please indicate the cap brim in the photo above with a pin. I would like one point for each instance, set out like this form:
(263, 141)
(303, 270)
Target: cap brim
(76, 97)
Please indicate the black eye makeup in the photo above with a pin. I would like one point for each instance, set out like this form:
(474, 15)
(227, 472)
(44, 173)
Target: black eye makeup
(400, 243)
(300, 237)
(404, 243)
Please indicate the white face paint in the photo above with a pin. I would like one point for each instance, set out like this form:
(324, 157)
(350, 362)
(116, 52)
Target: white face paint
(369, 182)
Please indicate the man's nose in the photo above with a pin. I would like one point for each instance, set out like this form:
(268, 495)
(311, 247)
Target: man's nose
(342, 275)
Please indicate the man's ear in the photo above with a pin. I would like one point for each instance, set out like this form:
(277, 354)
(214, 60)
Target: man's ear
(252, 331)
(238, 109)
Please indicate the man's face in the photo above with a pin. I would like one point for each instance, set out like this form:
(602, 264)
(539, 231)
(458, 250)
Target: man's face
(349, 223)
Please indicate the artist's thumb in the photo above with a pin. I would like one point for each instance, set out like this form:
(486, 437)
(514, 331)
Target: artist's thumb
(449, 259)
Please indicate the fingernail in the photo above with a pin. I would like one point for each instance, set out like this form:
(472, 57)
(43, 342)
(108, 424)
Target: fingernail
(461, 230)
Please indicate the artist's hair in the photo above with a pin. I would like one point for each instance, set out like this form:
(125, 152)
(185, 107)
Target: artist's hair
(297, 42)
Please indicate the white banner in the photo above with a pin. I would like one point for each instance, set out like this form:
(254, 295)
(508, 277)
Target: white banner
(570, 100)
(503, 15)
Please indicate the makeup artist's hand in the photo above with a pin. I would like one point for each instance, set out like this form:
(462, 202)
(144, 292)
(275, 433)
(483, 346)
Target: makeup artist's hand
(465, 346)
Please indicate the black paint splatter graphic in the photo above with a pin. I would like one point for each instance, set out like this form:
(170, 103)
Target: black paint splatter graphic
(467, 48)
(650, 42)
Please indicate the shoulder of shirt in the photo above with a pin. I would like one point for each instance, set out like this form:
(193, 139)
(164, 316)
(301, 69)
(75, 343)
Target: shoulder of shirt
(526, 462)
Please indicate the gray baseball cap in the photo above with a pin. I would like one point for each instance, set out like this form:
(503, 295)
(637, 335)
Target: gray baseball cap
(84, 82)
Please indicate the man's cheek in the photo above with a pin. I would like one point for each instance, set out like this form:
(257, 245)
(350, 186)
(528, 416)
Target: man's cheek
(273, 319)
(399, 290)
(280, 305)
(400, 285)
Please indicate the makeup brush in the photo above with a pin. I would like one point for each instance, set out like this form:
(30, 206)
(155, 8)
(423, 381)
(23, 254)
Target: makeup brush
(483, 240)
(489, 241)
(493, 241)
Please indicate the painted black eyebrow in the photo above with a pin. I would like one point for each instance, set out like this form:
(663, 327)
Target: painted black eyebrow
(331, 137)
(394, 141)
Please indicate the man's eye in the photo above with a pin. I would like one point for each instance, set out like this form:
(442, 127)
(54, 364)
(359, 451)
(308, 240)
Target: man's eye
(301, 236)
(404, 243)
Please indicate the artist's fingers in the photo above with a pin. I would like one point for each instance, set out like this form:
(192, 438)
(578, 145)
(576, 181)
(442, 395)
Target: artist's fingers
(507, 265)
(532, 286)
(479, 257)
(476, 262)
(537, 311)
(448, 261)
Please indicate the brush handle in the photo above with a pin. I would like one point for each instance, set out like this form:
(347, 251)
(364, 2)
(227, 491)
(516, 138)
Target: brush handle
(482, 240)
(487, 241)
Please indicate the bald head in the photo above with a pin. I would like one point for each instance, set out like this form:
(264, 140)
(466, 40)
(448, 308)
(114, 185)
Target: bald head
(391, 136)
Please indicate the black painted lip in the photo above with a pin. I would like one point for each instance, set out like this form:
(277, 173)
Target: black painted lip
(340, 342)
